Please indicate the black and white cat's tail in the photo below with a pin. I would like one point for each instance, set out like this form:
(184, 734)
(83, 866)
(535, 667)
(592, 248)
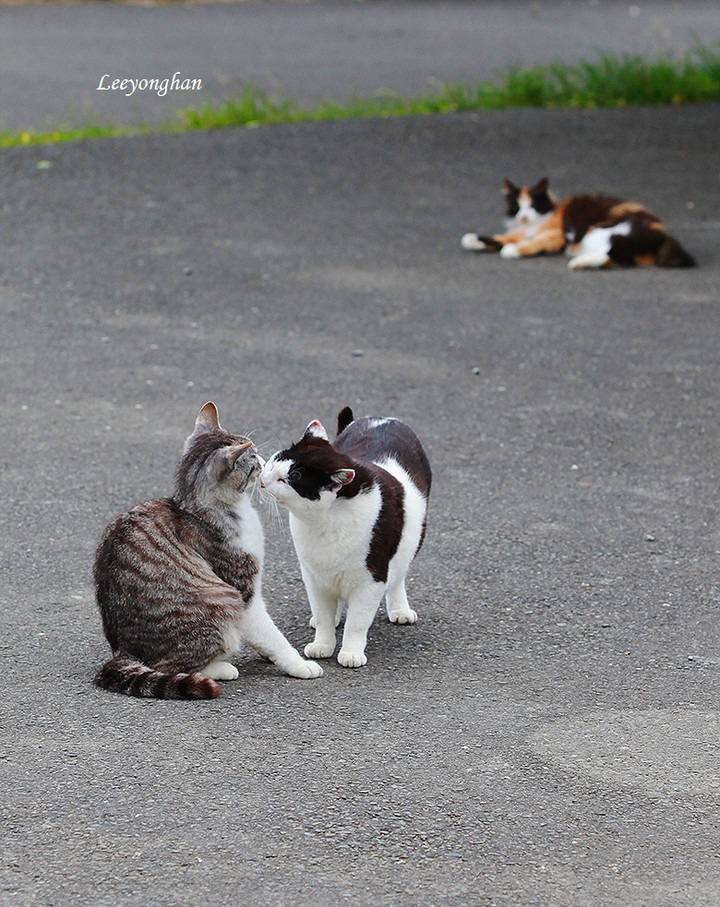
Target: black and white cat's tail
(123, 674)
(345, 417)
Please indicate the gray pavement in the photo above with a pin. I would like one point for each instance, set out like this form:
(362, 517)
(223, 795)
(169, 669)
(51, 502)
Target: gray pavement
(52, 58)
(547, 734)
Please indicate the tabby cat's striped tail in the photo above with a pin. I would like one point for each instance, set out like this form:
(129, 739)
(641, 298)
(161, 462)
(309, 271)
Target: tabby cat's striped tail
(123, 674)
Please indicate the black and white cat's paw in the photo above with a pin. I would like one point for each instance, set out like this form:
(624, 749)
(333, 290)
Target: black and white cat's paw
(472, 243)
(319, 650)
(220, 670)
(305, 670)
(405, 616)
(351, 658)
(509, 250)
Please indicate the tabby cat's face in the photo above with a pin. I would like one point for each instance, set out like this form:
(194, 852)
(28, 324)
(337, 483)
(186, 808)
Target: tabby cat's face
(527, 204)
(217, 466)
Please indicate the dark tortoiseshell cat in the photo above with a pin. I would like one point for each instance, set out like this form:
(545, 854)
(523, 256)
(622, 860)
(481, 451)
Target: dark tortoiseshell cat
(597, 231)
(178, 581)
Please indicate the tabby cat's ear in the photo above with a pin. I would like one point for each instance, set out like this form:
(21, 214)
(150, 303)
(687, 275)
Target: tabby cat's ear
(207, 420)
(316, 430)
(509, 188)
(541, 185)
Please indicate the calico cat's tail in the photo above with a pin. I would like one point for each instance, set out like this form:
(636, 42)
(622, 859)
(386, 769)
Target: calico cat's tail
(671, 254)
(123, 674)
(345, 417)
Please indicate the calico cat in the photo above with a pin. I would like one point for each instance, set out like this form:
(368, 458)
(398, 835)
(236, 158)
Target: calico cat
(357, 517)
(178, 581)
(597, 231)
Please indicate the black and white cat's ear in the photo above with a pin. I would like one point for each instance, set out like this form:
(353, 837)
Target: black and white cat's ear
(316, 429)
(509, 188)
(541, 185)
(343, 477)
(208, 419)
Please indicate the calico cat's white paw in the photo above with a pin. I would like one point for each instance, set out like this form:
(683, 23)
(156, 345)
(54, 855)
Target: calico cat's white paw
(220, 670)
(402, 617)
(319, 650)
(306, 670)
(509, 250)
(349, 659)
(588, 261)
(471, 242)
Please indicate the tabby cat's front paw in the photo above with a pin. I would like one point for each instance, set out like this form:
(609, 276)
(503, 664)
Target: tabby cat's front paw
(509, 250)
(306, 670)
(351, 659)
(319, 650)
(220, 670)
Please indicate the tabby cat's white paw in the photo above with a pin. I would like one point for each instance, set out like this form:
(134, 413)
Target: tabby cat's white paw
(306, 670)
(402, 617)
(312, 622)
(509, 250)
(471, 242)
(220, 670)
(349, 659)
(319, 650)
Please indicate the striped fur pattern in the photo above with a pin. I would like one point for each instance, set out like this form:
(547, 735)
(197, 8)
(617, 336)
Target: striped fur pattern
(596, 231)
(178, 580)
(357, 507)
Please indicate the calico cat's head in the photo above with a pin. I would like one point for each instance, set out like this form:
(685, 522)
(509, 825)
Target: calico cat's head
(217, 467)
(527, 204)
(310, 474)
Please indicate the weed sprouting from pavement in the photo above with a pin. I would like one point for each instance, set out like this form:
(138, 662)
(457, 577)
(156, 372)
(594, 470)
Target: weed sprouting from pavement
(608, 81)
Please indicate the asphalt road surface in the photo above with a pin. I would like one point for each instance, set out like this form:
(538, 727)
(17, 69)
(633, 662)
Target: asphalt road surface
(52, 58)
(547, 734)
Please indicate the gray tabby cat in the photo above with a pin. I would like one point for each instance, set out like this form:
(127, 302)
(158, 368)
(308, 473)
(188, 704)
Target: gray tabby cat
(178, 581)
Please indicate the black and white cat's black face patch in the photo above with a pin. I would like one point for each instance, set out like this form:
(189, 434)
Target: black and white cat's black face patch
(310, 470)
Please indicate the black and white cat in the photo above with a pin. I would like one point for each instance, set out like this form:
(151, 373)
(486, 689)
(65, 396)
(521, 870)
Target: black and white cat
(357, 516)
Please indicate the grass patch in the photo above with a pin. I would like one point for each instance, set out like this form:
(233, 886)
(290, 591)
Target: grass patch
(609, 81)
